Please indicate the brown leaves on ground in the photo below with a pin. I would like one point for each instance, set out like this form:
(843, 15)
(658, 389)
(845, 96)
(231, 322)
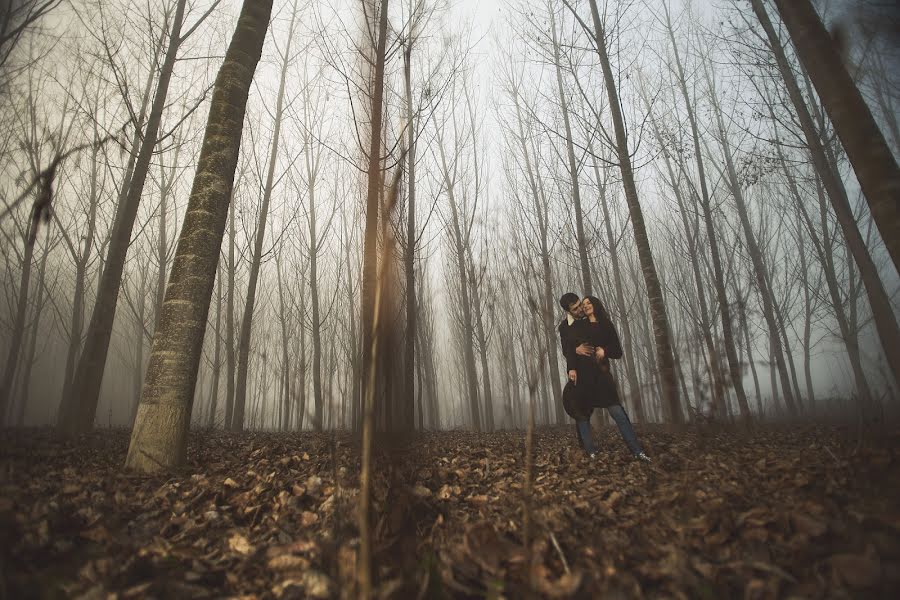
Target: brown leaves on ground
(776, 512)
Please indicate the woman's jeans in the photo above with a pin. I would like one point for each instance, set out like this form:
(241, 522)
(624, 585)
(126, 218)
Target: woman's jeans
(625, 428)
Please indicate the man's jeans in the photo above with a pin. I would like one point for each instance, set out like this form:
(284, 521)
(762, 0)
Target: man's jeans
(625, 428)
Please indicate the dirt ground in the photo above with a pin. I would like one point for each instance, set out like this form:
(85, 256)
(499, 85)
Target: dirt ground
(780, 511)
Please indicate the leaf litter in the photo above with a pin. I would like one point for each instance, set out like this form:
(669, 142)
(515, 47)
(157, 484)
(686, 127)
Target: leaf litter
(776, 512)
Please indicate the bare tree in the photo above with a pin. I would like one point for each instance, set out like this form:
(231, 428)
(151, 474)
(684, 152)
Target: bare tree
(874, 164)
(662, 336)
(158, 439)
(240, 399)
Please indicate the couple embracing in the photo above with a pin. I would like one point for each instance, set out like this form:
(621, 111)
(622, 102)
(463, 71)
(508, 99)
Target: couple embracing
(589, 340)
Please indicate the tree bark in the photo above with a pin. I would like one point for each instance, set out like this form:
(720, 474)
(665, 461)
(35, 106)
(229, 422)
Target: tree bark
(159, 437)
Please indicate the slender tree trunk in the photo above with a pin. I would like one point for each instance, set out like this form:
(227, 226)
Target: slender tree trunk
(773, 379)
(18, 329)
(807, 319)
(866, 147)
(78, 415)
(31, 346)
(229, 322)
(284, 416)
(482, 341)
(158, 440)
(466, 306)
(746, 329)
(634, 386)
(217, 354)
(672, 404)
(581, 239)
(240, 398)
(541, 214)
(759, 268)
(734, 366)
(81, 260)
(703, 324)
(314, 296)
(410, 258)
(872, 160)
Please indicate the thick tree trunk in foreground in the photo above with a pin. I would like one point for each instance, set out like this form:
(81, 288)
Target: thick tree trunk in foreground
(159, 437)
(665, 357)
(79, 410)
(863, 141)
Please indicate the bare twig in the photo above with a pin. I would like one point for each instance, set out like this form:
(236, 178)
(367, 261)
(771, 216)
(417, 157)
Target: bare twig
(44, 182)
(562, 556)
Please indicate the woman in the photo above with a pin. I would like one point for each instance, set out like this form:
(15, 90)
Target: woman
(596, 387)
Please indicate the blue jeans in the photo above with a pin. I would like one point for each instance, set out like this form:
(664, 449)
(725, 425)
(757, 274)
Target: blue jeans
(625, 428)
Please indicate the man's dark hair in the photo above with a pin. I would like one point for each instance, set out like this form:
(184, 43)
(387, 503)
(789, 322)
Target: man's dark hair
(567, 300)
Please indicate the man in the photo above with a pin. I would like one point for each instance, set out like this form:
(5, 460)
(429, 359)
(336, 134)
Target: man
(573, 307)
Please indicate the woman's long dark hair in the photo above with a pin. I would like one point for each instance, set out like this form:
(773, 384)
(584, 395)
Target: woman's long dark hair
(599, 309)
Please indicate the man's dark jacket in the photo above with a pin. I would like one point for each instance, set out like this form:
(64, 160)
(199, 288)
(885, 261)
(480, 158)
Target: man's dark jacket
(567, 341)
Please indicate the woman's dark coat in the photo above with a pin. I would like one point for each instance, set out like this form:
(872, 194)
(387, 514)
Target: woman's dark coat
(595, 387)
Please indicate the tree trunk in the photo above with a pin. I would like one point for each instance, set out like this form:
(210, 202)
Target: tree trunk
(18, 330)
(374, 187)
(581, 240)
(872, 160)
(159, 437)
(634, 386)
(459, 249)
(78, 415)
(883, 201)
(410, 258)
(217, 355)
(759, 268)
(664, 353)
(482, 341)
(28, 363)
(734, 366)
(81, 260)
(240, 399)
(541, 214)
(229, 323)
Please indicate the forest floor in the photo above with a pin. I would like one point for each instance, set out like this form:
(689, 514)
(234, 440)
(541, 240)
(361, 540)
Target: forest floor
(782, 511)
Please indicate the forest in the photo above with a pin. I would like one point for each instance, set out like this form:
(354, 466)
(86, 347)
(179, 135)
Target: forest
(449, 299)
